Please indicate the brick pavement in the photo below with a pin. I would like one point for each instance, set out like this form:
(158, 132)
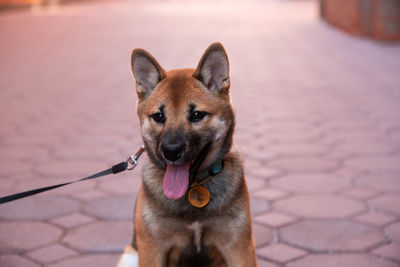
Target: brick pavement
(318, 121)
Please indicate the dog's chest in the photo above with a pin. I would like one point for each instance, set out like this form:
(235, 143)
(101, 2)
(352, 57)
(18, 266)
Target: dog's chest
(196, 229)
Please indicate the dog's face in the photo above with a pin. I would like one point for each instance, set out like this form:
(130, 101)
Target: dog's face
(186, 116)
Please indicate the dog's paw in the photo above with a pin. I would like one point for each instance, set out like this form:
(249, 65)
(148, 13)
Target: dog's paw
(129, 258)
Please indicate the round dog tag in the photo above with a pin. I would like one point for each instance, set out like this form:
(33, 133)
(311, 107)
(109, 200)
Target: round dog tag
(199, 196)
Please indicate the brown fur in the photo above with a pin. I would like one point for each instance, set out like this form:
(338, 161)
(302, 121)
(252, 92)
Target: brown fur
(171, 232)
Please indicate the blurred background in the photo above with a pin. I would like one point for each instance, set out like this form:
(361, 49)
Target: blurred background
(316, 90)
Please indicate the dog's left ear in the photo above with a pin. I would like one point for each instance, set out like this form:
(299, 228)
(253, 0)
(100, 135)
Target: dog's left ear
(213, 68)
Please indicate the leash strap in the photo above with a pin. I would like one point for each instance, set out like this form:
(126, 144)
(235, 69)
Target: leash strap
(130, 164)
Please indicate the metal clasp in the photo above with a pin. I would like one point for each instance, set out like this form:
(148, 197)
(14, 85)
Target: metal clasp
(133, 160)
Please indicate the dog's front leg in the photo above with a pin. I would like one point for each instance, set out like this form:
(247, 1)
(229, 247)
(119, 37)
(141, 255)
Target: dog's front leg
(241, 254)
(151, 255)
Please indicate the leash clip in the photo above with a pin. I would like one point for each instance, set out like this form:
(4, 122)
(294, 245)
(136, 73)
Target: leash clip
(133, 160)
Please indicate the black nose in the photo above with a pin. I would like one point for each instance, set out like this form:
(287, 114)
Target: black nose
(173, 152)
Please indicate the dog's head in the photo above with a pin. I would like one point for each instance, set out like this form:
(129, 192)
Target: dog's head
(186, 116)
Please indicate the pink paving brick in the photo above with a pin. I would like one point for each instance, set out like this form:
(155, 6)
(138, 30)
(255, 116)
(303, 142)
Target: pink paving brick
(386, 203)
(264, 263)
(39, 207)
(375, 218)
(280, 253)
(391, 251)
(311, 183)
(376, 165)
(342, 260)
(332, 235)
(13, 236)
(11, 260)
(51, 253)
(90, 194)
(393, 232)
(262, 172)
(72, 220)
(319, 206)
(270, 194)
(262, 235)
(306, 164)
(359, 193)
(115, 235)
(254, 184)
(112, 208)
(274, 219)
(384, 182)
(100, 260)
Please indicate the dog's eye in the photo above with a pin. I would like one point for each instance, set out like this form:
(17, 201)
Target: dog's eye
(196, 116)
(158, 117)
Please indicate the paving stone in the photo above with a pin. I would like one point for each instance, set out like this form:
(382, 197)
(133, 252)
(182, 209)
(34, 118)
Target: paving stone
(306, 164)
(72, 169)
(6, 186)
(311, 183)
(89, 195)
(280, 253)
(259, 154)
(295, 138)
(262, 235)
(262, 172)
(270, 194)
(11, 260)
(393, 231)
(274, 219)
(358, 193)
(72, 220)
(380, 182)
(254, 184)
(38, 208)
(331, 235)
(126, 183)
(30, 182)
(258, 206)
(15, 167)
(375, 218)
(112, 208)
(264, 263)
(85, 152)
(98, 260)
(22, 236)
(387, 164)
(341, 260)
(319, 206)
(391, 251)
(297, 149)
(100, 236)
(386, 203)
(373, 148)
(51, 253)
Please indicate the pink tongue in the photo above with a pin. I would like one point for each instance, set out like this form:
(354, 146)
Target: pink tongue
(176, 180)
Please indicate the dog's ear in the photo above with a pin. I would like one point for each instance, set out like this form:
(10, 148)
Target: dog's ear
(146, 70)
(213, 68)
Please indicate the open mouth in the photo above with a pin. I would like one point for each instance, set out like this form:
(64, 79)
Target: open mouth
(177, 177)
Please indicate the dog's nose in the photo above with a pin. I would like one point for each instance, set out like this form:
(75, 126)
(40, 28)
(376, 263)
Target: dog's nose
(173, 152)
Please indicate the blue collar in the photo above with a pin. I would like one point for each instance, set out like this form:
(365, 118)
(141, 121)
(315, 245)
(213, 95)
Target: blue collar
(215, 169)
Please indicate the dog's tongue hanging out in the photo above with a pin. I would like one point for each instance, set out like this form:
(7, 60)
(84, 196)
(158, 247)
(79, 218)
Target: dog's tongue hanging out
(176, 180)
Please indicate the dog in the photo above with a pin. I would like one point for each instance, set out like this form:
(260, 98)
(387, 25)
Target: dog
(193, 206)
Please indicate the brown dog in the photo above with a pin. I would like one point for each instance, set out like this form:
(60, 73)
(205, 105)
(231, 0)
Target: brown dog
(193, 206)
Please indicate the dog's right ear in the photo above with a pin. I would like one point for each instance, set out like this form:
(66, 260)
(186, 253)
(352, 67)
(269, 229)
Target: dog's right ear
(146, 70)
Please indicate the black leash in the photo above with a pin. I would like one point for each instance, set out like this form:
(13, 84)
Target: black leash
(129, 164)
